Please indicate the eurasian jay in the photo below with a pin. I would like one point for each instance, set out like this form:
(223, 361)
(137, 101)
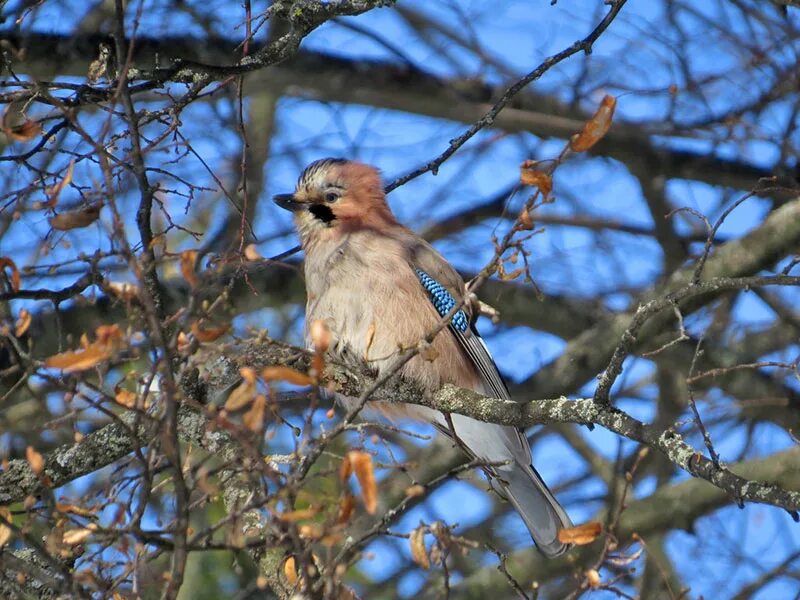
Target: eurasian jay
(379, 287)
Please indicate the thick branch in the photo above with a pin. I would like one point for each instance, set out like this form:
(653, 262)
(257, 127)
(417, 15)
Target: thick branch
(380, 84)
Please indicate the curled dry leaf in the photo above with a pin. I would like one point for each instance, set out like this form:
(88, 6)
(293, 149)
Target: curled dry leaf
(23, 322)
(417, 542)
(76, 536)
(5, 530)
(79, 360)
(362, 466)
(286, 374)
(35, 460)
(108, 336)
(241, 396)
(17, 126)
(248, 374)
(188, 261)
(76, 219)
(125, 397)
(595, 128)
(75, 510)
(251, 253)
(345, 470)
(108, 340)
(311, 531)
(529, 175)
(253, 419)
(525, 221)
(290, 571)
(54, 191)
(346, 507)
(15, 278)
(208, 334)
(580, 535)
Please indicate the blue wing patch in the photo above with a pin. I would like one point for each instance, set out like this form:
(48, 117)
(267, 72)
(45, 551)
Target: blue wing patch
(442, 300)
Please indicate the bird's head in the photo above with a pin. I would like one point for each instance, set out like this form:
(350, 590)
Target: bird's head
(335, 196)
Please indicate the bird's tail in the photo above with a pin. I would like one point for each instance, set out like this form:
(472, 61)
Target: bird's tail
(543, 515)
(515, 479)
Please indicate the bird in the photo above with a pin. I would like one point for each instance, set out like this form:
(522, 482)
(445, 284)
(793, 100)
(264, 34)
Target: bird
(379, 287)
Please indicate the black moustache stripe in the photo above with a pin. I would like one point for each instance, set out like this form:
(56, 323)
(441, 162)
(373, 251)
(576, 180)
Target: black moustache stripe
(322, 212)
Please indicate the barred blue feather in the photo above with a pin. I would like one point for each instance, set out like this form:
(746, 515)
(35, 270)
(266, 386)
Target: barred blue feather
(442, 300)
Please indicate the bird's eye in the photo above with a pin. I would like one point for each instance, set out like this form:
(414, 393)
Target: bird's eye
(331, 197)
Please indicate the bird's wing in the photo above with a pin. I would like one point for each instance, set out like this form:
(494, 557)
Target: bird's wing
(515, 479)
(446, 289)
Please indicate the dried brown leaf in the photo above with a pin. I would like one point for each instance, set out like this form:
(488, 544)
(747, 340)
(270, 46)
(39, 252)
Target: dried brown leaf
(208, 334)
(580, 535)
(362, 467)
(15, 278)
(525, 220)
(253, 419)
(79, 360)
(595, 128)
(286, 374)
(125, 397)
(345, 470)
(76, 536)
(290, 571)
(188, 262)
(346, 507)
(241, 396)
(18, 127)
(540, 179)
(108, 336)
(23, 322)
(511, 275)
(418, 553)
(35, 460)
(311, 531)
(248, 374)
(76, 219)
(5, 530)
(75, 510)
(53, 191)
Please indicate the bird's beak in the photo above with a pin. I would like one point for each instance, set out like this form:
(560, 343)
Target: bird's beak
(288, 202)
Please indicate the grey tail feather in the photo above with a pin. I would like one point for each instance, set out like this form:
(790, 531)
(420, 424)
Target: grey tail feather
(537, 506)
